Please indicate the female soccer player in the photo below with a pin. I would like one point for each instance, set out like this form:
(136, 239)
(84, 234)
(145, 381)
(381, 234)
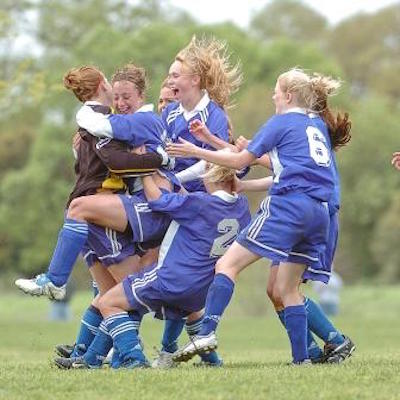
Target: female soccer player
(291, 225)
(113, 211)
(202, 81)
(204, 225)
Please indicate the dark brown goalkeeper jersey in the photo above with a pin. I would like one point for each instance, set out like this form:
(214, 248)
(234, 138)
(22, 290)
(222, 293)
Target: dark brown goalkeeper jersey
(97, 157)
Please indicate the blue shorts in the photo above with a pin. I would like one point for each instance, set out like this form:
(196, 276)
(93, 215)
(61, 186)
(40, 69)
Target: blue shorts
(107, 246)
(146, 225)
(144, 294)
(291, 227)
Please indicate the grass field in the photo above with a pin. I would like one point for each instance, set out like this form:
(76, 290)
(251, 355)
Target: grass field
(255, 350)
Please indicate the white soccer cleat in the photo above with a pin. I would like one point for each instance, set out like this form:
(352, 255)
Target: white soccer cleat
(197, 345)
(41, 285)
(164, 360)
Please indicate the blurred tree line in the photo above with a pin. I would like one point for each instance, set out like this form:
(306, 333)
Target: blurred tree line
(37, 119)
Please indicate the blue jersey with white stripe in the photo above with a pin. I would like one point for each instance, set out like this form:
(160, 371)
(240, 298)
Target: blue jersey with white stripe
(300, 152)
(203, 227)
(176, 122)
(334, 201)
(141, 127)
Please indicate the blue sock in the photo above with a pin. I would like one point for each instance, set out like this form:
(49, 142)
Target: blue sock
(193, 328)
(319, 323)
(124, 332)
(296, 326)
(116, 360)
(172, 330)
(314, 351)
(71, 240)
(90, 322)
(99, 348)
(218, 298)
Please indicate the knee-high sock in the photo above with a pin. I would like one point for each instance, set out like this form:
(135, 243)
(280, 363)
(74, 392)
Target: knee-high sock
(218, 298)
(296, 326)
(71, 240)
(90, 322)
(172, 330)
(319, 323)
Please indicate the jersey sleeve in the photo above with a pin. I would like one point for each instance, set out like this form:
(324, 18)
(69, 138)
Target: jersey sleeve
(266, 138)
(181, 207)
(129, 128)
(217, 123)
(97, 124)
(119, 159)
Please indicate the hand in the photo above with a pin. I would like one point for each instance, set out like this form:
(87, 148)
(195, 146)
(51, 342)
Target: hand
(396, 160)
(184, 149)
(200, 131)
(237, 185)
(241, 143)
(139, 150)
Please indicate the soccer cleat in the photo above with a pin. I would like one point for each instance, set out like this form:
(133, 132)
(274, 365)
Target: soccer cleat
(336, 354)
(304, 363)
(164, 360)
(135, 363)
(197, 345)
(207, 364)
(109, 357)
(41, 285)
(64, 350)
(74, 363)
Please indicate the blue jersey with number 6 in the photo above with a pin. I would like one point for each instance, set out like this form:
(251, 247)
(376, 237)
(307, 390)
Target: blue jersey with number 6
(300, 152)
(203, 227)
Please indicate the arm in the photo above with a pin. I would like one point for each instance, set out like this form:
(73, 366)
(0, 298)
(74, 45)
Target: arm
(254, 185)
(227, 159)
(264, 161)
(192, 173)
(95, 123)
(120, 160)
(203, 134)
(151, 190)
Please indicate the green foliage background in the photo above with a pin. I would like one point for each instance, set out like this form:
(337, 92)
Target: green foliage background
(37, 119)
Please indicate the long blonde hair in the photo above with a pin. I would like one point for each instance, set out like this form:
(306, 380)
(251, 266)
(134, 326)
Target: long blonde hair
(218, 174)
(209, 59)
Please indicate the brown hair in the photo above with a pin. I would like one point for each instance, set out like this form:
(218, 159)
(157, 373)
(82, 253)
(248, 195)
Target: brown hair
(339, 124)
(210, 60)
(131, 73)
(84, 81)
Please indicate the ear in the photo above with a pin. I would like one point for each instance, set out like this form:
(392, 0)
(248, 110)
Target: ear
(289, 97)
(196, 80)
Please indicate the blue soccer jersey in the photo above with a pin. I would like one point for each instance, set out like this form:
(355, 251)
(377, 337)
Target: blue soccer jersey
(203, 227)
(176, 122)
(300, 152)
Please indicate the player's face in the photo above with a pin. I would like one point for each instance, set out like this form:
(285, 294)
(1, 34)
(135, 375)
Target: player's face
(126, 97)
(166, 97)
(280, 99)
(180, 80)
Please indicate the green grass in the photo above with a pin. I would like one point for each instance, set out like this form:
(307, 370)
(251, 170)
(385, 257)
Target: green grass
(255, 350)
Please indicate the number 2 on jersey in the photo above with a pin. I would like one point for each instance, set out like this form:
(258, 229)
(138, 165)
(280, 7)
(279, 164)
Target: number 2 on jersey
(230, 229)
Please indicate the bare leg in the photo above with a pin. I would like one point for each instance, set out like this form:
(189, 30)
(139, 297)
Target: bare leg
(126, 267)
(102, 209)
(236, 259)
(114, 302)
(288, 280)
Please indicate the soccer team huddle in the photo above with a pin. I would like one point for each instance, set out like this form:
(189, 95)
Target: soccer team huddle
(160, 215)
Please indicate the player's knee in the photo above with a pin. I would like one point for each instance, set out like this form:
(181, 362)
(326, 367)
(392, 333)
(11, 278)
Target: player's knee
(76, 209)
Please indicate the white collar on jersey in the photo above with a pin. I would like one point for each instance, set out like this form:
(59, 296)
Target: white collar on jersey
(296, 110)
(92, 103)
(200, 106)
(229, 198)
(146, 108)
